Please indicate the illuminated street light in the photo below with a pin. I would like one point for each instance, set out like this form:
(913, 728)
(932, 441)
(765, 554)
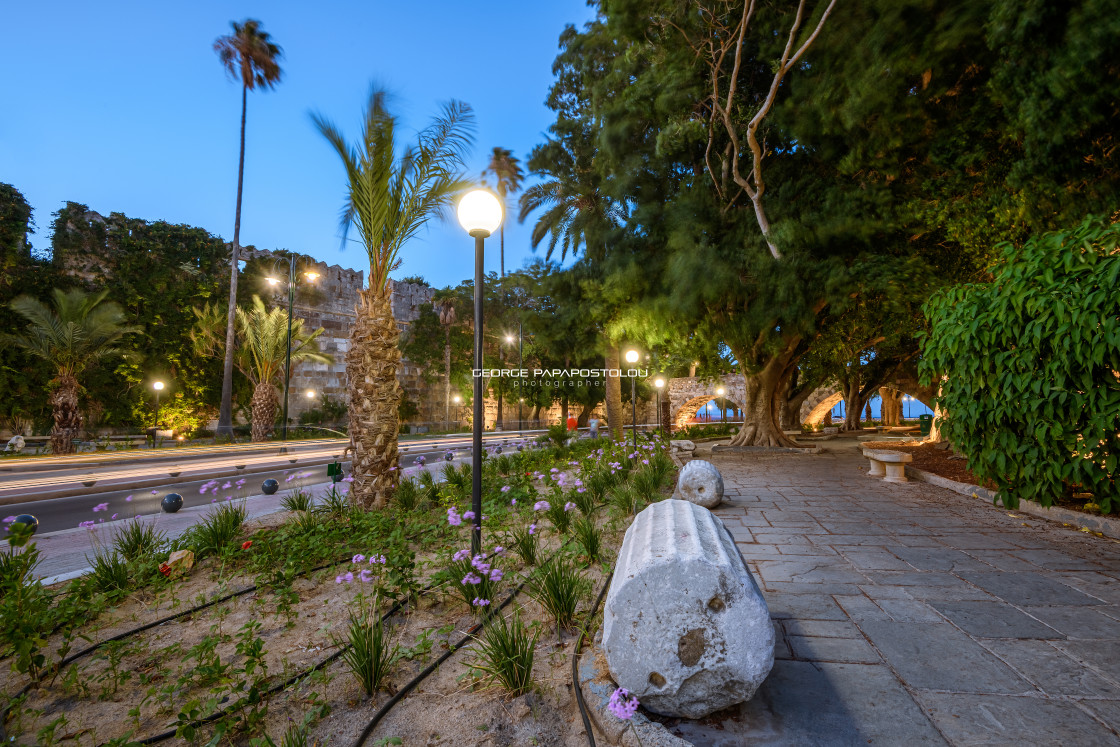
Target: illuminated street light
(480, 214)
(632, 357)
(311, 276)
(158, 386)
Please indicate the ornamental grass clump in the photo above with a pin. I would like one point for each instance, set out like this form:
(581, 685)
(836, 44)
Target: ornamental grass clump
(217, 530)
(407, 495)
(108, 571)
(476, 579)
(368, 651)
(625, 500)
(429, 488)
(559, 514)
(525, 543)
(297, 500)
(505, 653)
(588, 538)
(558, 586)
(138, 539)
(336, 505)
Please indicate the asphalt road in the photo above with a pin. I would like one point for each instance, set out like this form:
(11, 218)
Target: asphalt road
(59, 499)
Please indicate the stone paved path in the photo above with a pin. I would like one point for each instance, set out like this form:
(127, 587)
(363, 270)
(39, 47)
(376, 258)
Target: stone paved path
(908, 614)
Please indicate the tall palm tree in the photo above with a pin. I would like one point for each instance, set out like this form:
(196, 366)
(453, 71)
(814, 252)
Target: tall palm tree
(576, 214)
(248, 55)
(262, 347)
(508, 175)
(390, 196)
(79, 331)
(444, 301)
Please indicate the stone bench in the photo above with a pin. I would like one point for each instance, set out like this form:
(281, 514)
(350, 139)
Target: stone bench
(685, 627)
(889, 465)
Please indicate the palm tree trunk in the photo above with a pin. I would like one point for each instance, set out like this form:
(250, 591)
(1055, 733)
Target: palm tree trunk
(447, 376)
(502, 246)
(614, 394)
(371, 371)
(225, 412)
(67, 416)
(264, 405)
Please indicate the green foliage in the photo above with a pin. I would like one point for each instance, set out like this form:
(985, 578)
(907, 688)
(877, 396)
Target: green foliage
(525, 543)
(219, 527)
(407, 495)
(297, 500)
(109, 572)
(1030, 390)
(558, 586)
(137, 539)
(588, 537)
(369, 653)
(24, 609)
(505, 653)
(561, 519)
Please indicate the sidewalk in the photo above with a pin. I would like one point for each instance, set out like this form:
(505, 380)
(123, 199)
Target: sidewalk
(910, 614)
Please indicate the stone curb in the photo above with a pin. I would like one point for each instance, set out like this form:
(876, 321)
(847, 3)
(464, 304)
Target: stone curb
(729, 450)
(597, 688)
(1107, 526)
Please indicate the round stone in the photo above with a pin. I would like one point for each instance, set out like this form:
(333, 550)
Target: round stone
(270, 486)
(28, 520)
(700, 483)
(171, 503)
(448, 455)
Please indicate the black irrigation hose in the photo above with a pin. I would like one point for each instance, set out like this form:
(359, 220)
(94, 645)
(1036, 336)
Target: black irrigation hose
(384, 709)
(575, 664)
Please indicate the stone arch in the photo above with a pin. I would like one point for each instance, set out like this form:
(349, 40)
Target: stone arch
(687, 410)
(688, 393)
(818, 405)
(822, 408)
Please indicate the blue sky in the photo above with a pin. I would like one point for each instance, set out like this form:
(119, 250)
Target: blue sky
(123, 106)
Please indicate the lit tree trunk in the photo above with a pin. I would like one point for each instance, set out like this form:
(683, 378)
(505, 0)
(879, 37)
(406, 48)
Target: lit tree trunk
(761, 404)
(614, 394)
(371, 371)
(265, 403)
(447, 376)
(67, 416)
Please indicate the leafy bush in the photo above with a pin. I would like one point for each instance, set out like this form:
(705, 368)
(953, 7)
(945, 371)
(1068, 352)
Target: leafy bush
(505, 652)
(1029, 362)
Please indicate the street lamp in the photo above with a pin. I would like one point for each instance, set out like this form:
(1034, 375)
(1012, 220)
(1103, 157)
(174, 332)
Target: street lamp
(310, 394)
(312, 276)
(632, 357)
(480, 214)
(722, 405)
(520, 365)
(158, 386)
(659, 383)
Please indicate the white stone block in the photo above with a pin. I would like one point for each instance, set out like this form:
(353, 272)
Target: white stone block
(685, 626)
(682, 445)
(701, 483)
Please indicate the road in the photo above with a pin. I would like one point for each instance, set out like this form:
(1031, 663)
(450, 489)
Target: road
(65, 492)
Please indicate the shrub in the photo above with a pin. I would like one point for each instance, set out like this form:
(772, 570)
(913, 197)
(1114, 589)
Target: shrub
(1028, 367)
(560, 518)
(220, 527)
(407, 495)
(335, 505)
(297, 500)
(109, 571)
(588, 538)
(525, 543)
(505, 653)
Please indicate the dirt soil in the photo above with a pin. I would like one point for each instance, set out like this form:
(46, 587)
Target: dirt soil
(935, 459)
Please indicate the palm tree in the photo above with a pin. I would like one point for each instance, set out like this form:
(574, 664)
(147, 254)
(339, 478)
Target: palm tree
(248, 55)
(261, 353)
(507, 172)
(79, 331)
(576, 213)
(444, 301)
(389, 198)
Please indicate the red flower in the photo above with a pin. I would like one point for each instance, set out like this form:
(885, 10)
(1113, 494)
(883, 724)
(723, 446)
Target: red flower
(246, 544)
(165, 569)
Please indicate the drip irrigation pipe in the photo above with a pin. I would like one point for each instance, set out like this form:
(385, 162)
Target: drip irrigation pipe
(575, 664)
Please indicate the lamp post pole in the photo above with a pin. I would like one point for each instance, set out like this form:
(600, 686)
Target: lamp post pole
(288, 360)
(480, 213)
(158, 386)
(520, 366)
(632, 358)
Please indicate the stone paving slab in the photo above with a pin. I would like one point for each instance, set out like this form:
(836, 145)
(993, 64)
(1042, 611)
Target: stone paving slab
(910, 614)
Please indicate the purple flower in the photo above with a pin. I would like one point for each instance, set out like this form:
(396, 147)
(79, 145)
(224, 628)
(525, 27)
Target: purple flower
(461, 555)
(155, 492)
(480, 602)
(541, 506)
(453, 517)
(240, 483)
(128, 499)
(358, 558)
(554, 469)
(532, 529)
(377, 559)
(86, 524)
(347, 577)
(213, 500)
(101, 507)
(480, 564)
(9, 519)
(472, 579)
(622, 704)
(513, 502)
(569, 506)
(348, 478)
(496, 574)
(468, 515)
(227, 486)
(499, 550)
(365, 576)
(645, 461)
(505, 488)
(113, 516)
(581, 490)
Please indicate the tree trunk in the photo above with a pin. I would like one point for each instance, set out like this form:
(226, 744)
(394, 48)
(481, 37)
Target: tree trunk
(67, 416)
(892, 405)
(371, 371)
(225, 411)
(447, 375)
(584, 416)
(564, 409)
(264, 404)
(853, 402)
(762, 407)
(614, 394)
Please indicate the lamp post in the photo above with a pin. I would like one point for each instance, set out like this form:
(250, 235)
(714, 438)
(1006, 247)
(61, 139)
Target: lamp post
(158, 386)
(659, 383)
(632, 358)
(480, 214)
(722, 405)
(520, 365)
(311, 276)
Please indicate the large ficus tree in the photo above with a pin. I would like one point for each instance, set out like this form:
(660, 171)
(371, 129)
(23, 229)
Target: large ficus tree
(80, 330)
(392, 191)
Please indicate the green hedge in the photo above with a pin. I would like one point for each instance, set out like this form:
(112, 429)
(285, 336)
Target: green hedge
(1031, 390)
